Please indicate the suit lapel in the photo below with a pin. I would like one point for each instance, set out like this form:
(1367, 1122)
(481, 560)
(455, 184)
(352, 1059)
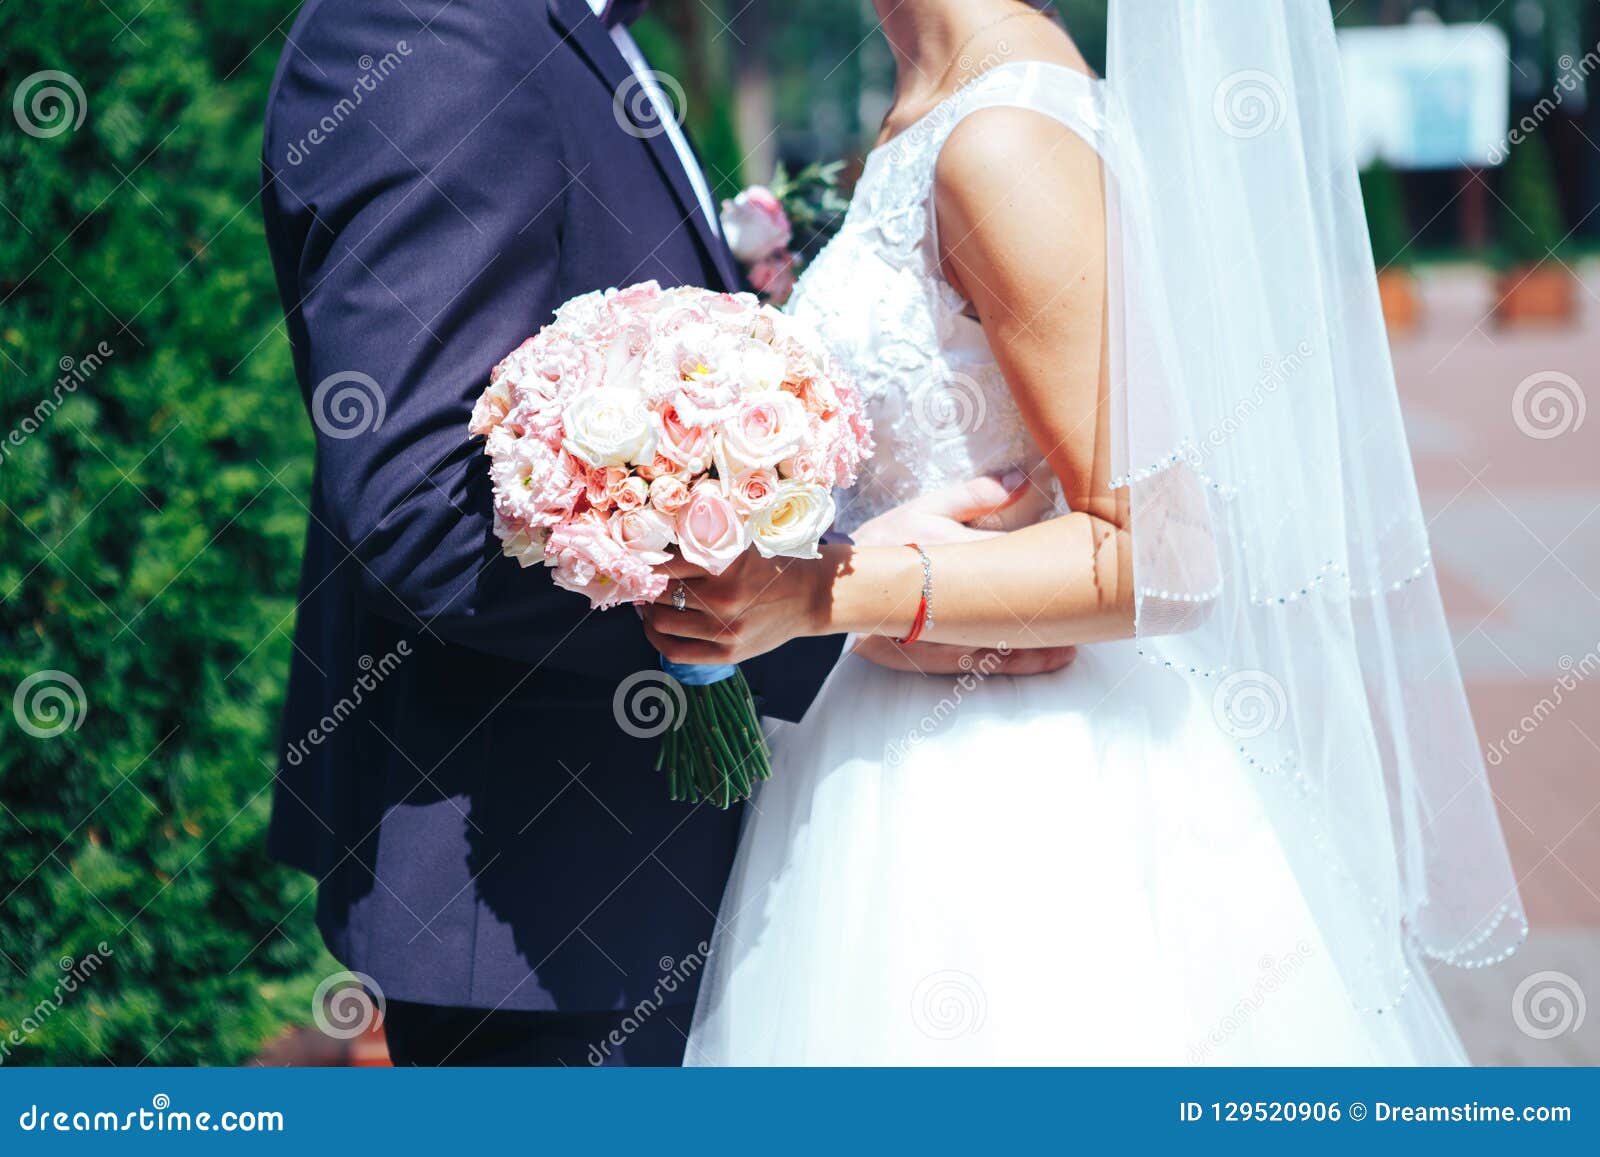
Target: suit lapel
(578, 23)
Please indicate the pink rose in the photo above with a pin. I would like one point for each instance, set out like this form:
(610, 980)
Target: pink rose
(774, 276)
(669, 494)
(630, 493)
(642, 298)
(755, 224)
(753, 489)
(709, 532)
(766, 430)
(679, 442)
(647, 533)
(656, 467)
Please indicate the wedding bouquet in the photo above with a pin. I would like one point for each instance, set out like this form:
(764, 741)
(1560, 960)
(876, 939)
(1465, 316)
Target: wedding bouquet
(643, 421)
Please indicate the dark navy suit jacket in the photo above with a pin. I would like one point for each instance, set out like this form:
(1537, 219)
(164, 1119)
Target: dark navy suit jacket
(438, 177)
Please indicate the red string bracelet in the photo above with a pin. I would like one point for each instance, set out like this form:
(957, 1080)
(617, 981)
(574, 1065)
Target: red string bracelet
(924, 618)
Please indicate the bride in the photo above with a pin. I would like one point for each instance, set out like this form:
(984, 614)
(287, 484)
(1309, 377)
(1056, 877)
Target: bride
(1240, 827)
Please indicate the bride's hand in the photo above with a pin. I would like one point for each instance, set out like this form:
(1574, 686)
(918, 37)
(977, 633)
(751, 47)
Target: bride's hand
(755, 606)
(960, 513)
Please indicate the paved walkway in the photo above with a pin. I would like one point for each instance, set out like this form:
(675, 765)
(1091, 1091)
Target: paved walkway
(1515, 520)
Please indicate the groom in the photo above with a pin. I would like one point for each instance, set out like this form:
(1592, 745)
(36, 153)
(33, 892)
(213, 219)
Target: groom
(493, 850)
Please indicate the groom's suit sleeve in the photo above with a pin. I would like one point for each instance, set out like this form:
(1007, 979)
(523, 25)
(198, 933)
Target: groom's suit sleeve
(417, 232)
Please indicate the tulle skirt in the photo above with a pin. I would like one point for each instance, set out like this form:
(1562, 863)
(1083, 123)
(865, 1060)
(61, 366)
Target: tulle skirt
(1063, 869)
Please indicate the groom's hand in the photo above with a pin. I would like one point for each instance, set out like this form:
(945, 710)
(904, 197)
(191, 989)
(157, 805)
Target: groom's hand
(958, 513)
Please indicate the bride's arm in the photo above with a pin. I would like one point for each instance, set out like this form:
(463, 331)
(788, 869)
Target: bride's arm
(1021, 220)
(1021, 215)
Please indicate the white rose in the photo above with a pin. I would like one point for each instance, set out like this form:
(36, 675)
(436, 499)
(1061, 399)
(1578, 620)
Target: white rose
(609, 427)
(767, 429)
(793, 523)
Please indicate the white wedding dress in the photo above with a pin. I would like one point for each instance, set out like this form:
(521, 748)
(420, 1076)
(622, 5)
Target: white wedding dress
(1065, 869)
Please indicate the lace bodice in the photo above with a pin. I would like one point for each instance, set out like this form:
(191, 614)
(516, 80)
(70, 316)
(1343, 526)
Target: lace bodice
(941, 409)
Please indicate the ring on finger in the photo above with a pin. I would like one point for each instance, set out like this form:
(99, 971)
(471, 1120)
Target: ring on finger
(680, 597)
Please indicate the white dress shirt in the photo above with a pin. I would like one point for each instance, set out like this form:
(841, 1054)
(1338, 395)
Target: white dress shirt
(667, 113)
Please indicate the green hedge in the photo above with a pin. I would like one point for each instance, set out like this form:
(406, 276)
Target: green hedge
(153, 451)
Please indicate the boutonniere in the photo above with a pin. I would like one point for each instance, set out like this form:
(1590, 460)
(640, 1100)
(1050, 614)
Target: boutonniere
(772, 229)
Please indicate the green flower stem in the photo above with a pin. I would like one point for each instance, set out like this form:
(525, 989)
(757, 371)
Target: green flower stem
(716, 751)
